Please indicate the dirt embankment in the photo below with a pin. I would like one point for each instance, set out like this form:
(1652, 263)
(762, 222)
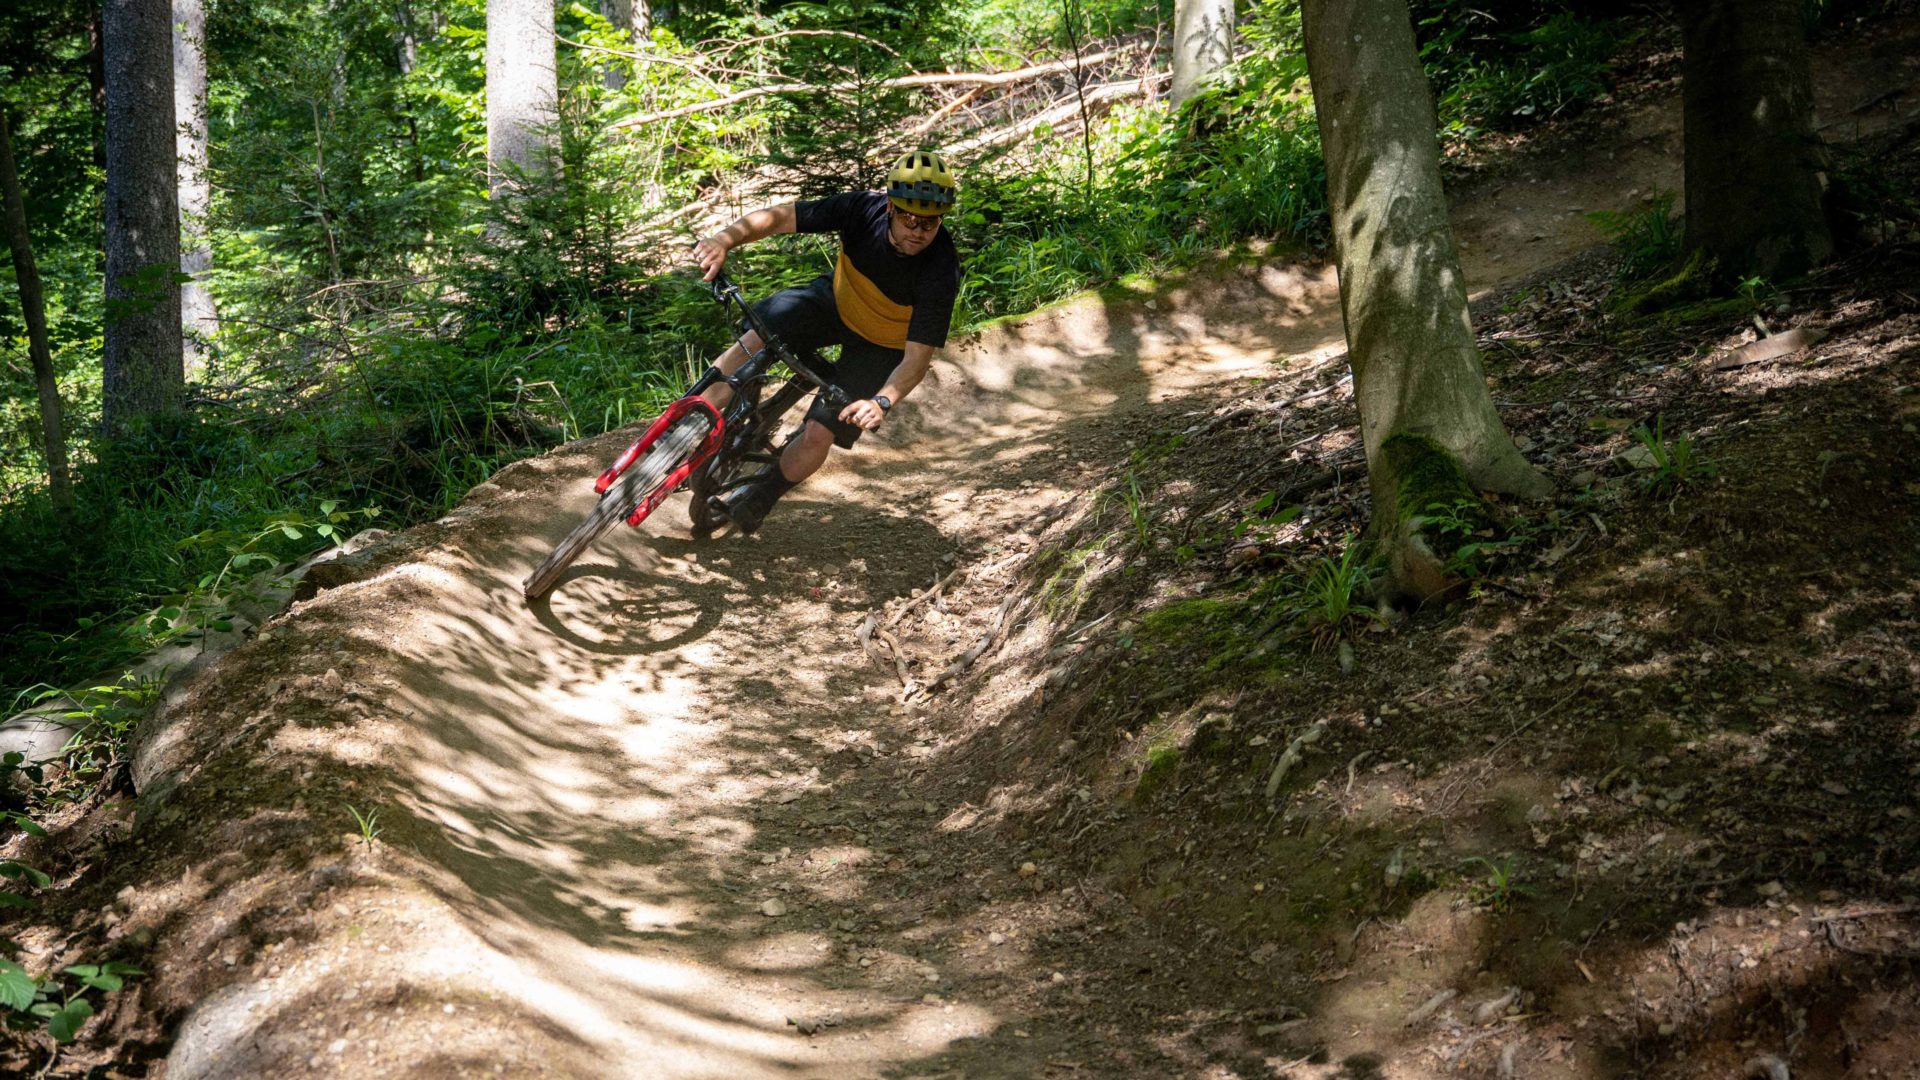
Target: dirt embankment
(677, 820)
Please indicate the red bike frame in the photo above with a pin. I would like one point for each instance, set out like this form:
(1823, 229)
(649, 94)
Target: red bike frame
(666, 419)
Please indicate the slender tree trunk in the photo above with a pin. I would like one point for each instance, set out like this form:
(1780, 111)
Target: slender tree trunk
(1755, 170)
(199, 319)
(1202, 43)
(33, 306)
(409, 38)
(142, 373)
(619, 13)
(522, 87)
(1416, 369)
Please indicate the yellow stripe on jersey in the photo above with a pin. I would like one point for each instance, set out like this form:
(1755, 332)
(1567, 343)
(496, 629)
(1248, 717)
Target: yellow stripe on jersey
(865, 309)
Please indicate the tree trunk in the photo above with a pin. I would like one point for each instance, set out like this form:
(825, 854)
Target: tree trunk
(1416, 369)
(141, 369)
(1202, 43)
(33, 307)
(1755, 170)
(619, 13)
(198, 317)
(522, 87)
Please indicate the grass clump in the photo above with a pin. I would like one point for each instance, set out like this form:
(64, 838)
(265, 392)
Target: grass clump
(1675, 462)
(1646, 239)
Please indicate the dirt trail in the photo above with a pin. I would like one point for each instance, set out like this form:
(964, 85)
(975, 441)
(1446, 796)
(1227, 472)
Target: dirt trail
(641, 829)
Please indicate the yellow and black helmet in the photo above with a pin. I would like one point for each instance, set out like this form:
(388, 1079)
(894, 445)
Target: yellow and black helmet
(919, 183)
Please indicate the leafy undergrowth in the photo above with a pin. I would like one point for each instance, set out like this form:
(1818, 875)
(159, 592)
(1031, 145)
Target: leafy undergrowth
(1644, 799)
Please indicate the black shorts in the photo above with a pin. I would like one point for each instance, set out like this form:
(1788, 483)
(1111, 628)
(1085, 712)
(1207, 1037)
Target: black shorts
(807, 320)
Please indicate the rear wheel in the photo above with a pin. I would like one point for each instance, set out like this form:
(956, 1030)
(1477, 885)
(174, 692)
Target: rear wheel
(635, 484)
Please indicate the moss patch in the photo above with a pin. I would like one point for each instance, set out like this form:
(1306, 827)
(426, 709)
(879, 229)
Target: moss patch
(1692, 280)
(1163, 762)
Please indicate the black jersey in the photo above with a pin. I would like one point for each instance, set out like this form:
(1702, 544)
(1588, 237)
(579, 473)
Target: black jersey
(884, 296)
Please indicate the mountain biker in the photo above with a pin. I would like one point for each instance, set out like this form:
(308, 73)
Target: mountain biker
(887, 304)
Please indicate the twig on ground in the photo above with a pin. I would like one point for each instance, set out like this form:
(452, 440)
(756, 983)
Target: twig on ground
(894, 620)
(1295, 751)
(865, 637)
(1353, 768)
(899, 662)
(965, 660)
(1867, 913)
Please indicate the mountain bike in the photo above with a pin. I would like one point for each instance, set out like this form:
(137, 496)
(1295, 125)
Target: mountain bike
(696, 446)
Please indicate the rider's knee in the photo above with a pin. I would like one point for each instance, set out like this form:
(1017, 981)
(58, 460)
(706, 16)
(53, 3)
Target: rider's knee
(815, 434)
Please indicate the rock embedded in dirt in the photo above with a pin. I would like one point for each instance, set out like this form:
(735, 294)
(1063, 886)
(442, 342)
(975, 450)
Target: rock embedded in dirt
(774, 908)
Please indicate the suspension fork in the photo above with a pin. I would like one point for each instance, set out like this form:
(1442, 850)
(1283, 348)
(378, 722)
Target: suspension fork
(674, 412)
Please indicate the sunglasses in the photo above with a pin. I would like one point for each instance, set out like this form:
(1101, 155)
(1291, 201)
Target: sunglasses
(917, 223)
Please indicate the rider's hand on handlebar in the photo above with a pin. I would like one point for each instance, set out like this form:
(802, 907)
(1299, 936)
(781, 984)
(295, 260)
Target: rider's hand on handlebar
(711, 255)
(865, 413)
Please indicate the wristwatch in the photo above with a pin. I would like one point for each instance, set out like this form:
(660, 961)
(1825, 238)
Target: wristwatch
(882, 400)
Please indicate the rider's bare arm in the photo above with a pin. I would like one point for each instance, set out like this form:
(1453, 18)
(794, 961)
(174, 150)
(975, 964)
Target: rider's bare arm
(906, 375)
(711, 253)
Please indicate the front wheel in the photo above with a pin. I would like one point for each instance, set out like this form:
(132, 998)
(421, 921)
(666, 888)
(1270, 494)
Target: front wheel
(639, 481)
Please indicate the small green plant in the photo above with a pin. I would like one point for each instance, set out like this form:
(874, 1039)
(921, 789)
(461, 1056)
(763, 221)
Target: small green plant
(1330, 600)
(1472, 541)
(14, 870)
(14, 763)
(1675, 462)
(204, 607)
(1756, 291)
(1138, 511)
(1647, 239)
(368, 823)
(53, 1001)
(1500, 887)
(102, 719)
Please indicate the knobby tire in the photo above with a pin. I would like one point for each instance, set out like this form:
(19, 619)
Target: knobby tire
(635, 484)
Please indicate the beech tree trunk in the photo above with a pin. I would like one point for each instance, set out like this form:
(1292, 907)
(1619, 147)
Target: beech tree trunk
(1755, 170)
(33, 307)
(199, 320)
(1202, 43)
(523, 89)
(617, 12)
(142, 373)
(1410, 340)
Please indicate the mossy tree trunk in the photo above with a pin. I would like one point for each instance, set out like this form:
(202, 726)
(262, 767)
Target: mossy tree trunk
(1416, 369)
(523, 88)
(141, 369)
(1755, 179)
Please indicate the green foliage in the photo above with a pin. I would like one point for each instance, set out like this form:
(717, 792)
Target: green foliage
(551, 252)
(1647, 239)
(1505, 71)
(58, 1002)
(368, 824)
(1330, 600)
(1499, 888)
(1139, 513)
(1239, 160)
(1469, 536)
(1676, 464)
